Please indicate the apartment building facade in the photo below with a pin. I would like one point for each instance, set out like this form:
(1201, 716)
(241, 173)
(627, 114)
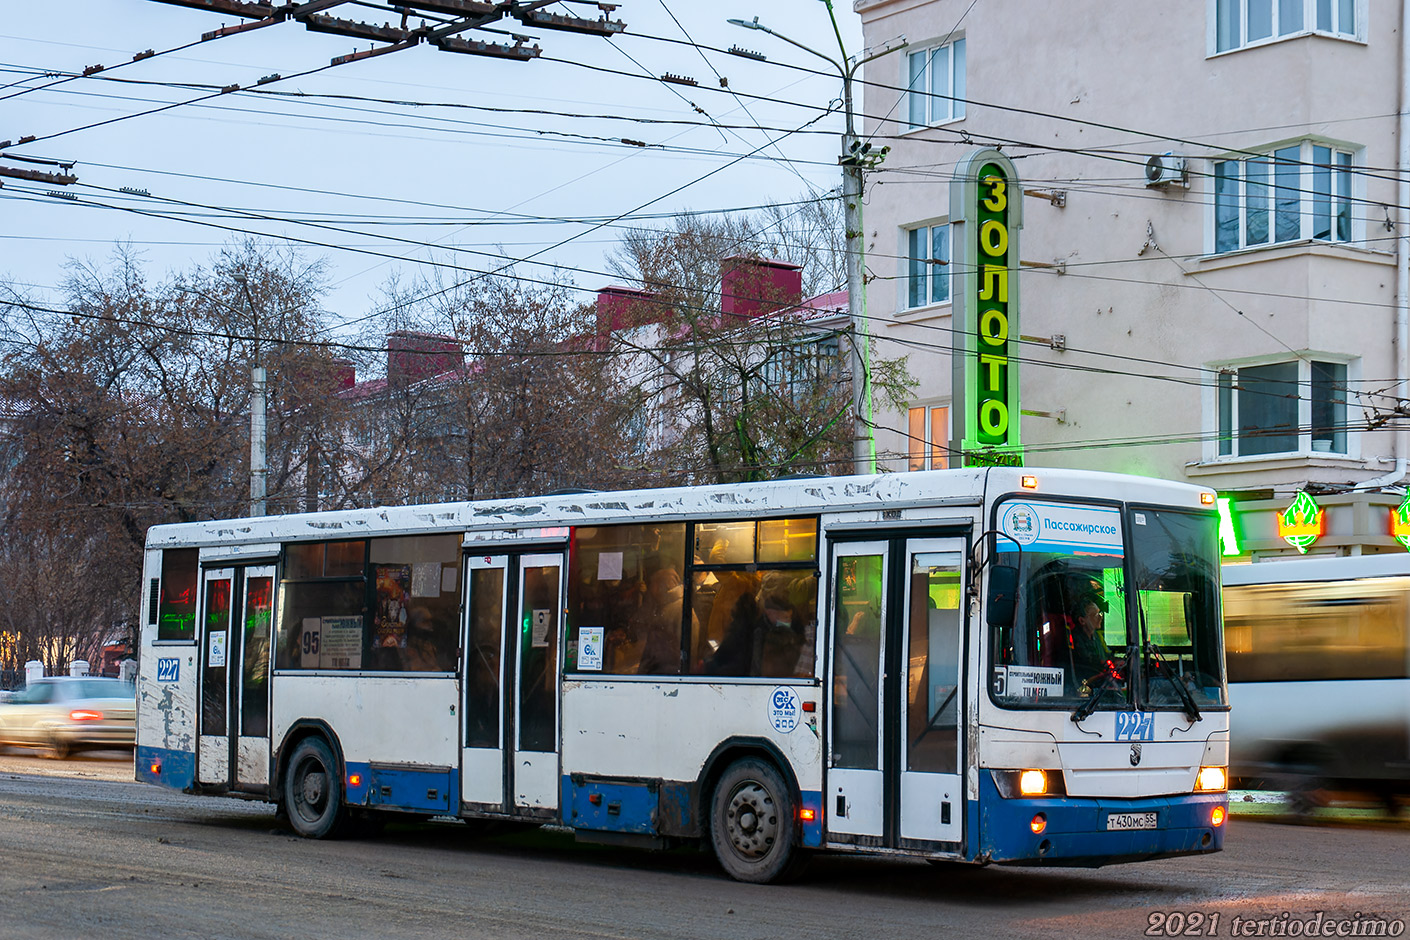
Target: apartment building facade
(1212, 263)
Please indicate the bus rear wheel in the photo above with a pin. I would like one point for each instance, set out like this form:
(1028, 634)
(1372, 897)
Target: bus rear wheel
(313, 793)
(753, 824)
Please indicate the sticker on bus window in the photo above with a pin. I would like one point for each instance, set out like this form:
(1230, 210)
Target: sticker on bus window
(609, 566)
(540, 625)
(1029, 681)
(590, 649)
(216, 660)
(784, 709)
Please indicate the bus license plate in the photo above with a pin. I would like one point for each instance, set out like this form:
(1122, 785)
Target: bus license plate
(1130, 821)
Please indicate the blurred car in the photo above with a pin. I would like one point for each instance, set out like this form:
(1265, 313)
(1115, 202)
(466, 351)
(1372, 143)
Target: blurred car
(63, 714)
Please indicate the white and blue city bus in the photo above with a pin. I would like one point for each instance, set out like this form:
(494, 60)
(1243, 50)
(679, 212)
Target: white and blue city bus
(888, 664)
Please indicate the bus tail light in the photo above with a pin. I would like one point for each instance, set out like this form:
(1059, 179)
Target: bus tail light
(1206, 499)
(1038, 823)
(1028, 481)
(1212, 778)
(807, 815)
(85, 714)
(155, 767)
(1216, 817)
(354, 780)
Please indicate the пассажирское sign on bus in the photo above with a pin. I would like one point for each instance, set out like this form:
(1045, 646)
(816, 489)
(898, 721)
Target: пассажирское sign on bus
(986, 665)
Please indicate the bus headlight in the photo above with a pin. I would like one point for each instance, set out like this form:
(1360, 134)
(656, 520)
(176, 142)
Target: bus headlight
(1212, 778)
(1013, 784)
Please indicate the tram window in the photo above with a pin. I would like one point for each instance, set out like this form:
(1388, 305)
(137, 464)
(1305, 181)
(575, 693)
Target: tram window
(176, 619)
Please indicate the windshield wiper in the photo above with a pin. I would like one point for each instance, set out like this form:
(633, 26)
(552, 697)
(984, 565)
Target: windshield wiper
(1163, 668)
(1084, 711)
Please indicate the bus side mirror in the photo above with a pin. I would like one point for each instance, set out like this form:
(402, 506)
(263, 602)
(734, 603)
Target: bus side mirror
(1003, 594)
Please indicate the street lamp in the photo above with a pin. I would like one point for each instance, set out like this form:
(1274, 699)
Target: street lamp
(856, 157)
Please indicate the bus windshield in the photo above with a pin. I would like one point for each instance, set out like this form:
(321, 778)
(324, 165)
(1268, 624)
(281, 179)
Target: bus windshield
(1079, 640)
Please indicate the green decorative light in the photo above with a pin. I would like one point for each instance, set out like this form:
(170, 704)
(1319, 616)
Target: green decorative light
(1400, 522)
(1228, 535)
(1302, 523)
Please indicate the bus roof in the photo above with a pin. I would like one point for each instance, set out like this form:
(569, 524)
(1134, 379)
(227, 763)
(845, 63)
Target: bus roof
(806, 496)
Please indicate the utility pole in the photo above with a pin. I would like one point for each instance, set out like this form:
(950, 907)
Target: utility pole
(856, 157)
(259, 470)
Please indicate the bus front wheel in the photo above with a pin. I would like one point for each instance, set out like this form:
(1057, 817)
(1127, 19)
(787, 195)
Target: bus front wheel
(752, 824)
(313, 795)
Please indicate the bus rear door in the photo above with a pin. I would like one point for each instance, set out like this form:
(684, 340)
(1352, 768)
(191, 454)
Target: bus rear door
(513, 613)
(232, 749)
(895, 767)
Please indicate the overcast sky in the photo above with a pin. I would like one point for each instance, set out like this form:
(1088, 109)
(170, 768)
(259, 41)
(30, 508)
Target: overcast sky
(371, 171)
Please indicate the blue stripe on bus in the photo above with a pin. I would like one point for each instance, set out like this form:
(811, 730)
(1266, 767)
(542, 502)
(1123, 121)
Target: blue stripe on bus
(401, 788)
(175, 769)
(1076, 830)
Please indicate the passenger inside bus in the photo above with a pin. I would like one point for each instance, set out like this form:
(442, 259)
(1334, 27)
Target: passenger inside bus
(766, 631)
(660, 624)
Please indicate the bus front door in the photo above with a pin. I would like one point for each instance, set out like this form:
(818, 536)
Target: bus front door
(513, 615)
(232, 745)
(895, 751)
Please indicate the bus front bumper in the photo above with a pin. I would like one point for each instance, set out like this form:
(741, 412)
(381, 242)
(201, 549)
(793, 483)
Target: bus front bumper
(1078, 831)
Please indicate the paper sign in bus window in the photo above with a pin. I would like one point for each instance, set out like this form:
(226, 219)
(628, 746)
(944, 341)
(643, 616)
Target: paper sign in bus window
(540, 625)
(609, 566)
(310, 642)
(217, 652)
(590, 649)
(342, 643)
(426, 579)
(1031, 681)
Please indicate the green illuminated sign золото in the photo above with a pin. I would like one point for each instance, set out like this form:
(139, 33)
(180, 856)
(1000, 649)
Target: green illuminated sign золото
(988, 197)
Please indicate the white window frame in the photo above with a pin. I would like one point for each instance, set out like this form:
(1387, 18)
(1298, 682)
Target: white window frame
(903, 295)
(1281, 31)
(926, 104)
(1344, 158)
(921, 451)
(1212, 442)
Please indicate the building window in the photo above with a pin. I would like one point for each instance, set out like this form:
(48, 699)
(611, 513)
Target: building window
(927, 265)
(935, 84)
(1293, 406)
(1240, 23)
(929, 438)
(1296, 192)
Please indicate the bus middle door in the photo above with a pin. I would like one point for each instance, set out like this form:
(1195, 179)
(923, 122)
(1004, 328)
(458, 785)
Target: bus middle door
(895, 768)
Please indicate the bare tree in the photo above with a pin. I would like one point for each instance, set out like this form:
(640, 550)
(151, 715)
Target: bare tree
(130, 407)
(742, 396)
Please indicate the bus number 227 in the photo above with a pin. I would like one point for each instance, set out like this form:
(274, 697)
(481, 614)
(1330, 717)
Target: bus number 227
(1135, 726)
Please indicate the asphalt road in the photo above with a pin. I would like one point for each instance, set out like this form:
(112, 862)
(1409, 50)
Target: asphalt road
(84, 852)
